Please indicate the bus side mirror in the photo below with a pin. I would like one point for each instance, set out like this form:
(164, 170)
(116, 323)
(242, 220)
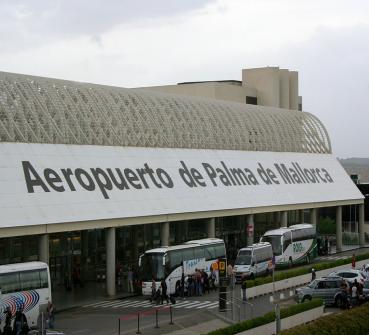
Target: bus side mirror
(163, 260)
(139, 261)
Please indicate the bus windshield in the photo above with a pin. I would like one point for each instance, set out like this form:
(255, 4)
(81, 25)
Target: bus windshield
(243, 257)
(275, 241)
(152, 267)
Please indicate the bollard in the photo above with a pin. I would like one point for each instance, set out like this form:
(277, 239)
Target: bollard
(138, 324)
(277, 319)
(157, 321)
(171, 315)
(119, 326)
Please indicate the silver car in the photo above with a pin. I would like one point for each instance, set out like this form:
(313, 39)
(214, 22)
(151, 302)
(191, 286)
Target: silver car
(326, 288)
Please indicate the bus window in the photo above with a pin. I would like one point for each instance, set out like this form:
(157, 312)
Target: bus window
(30, 280)
(44, 280)
(243, 257)
(199, 252)
(175, 259)
(209, 252)
(152, 267)
(219, 251)
(188, 254)
(275, 241)
(10, 283)
(286, 242)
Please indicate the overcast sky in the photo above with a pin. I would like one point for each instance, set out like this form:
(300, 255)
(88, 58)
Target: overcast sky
(142, 43)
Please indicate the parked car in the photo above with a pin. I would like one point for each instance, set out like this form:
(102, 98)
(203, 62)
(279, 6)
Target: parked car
(326, 288)
(349, 275)
(366, 290)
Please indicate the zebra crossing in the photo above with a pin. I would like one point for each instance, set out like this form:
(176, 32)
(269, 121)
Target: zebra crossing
(186, 304)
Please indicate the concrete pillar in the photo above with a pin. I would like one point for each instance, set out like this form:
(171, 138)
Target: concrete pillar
(361, 225)
(43, 248)
(210, 227)
(339, 228)
(250, 229)
(164, 235)
(313, 216)
(110, 261)
(284, 219)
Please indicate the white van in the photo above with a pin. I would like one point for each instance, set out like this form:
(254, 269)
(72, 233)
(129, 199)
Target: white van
(253, 261)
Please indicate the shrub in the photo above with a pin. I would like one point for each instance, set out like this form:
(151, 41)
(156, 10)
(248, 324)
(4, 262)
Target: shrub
(267, 318)
(352, 322)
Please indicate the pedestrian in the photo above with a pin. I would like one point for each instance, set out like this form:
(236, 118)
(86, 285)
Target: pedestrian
(354, 293)
(243, 287)
(119, 276)
(8, 321)
(153, 289)
(182, 285)
(230, 275)
(164, 289)
(51, 314)
(353, 261)
(20, 325)
(130, 280)
(313, 274)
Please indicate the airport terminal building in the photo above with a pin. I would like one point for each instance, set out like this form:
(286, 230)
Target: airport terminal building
(93, 175)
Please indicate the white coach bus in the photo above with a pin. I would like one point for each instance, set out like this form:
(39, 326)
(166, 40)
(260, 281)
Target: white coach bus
(294, 244)
(168, 262)
(24, 286)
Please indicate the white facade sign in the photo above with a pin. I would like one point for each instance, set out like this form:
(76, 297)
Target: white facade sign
(48, 183)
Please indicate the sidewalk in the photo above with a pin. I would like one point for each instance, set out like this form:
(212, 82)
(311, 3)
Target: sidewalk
(80, 296)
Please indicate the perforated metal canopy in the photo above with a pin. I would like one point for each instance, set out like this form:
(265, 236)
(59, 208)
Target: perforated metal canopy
(44, 110)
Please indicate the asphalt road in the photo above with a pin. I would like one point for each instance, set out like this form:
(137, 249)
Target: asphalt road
(102, 317)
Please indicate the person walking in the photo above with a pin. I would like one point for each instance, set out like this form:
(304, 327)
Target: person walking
(8, 321)
(164, 289)
(353, 261)
(130, 280)
(230, 275)
(243, 287)
(354, 293)
(51, 314)
(313, 274)
(20, 325)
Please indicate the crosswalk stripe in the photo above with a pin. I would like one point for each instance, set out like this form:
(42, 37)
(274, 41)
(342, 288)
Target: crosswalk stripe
(96, 304)
(183, 303)
(186, 304)
(202, 305)
(145, 304)
(191, 305)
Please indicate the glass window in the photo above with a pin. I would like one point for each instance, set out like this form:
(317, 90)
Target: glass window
(175, 259)
(30, 280)
(10, 283)
(209, 253)
(188, 254)
(243, 257)
(199, 252)
(219, 251)
(332, 284)
(44, 280)
(275, 241)
(152, 267)
(321, 285)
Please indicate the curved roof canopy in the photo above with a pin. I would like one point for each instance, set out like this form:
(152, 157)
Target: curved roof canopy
(44, 110)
